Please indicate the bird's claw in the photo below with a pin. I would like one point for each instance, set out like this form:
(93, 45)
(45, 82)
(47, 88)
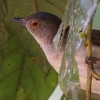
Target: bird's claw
(89, 60)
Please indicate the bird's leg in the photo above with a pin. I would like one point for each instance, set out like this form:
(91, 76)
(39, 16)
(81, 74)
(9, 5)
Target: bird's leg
(89, 60)
(95, 61)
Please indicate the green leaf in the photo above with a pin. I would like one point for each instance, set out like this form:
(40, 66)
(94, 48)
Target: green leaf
(26, 74)
(23, 79)
(3, 34)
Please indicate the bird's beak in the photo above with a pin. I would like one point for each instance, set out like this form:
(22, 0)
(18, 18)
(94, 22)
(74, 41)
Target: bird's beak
(19, 20)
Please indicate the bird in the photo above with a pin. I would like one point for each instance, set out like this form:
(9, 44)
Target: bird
(43, 27)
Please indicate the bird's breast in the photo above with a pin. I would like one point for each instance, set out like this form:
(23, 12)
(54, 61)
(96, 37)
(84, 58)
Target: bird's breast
(81, 54)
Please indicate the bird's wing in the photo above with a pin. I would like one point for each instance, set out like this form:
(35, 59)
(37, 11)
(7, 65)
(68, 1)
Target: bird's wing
(95, 37)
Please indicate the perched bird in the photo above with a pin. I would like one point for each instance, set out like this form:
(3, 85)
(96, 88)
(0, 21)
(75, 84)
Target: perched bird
(43, 27)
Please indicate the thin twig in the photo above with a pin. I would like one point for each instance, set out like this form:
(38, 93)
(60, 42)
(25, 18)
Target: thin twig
(90, 66)
(94, 74)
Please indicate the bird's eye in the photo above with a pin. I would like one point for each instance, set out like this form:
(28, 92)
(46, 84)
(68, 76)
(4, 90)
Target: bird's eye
(35, 24)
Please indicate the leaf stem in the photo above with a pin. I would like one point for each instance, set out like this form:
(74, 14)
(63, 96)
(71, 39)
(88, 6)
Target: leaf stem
(90, 66)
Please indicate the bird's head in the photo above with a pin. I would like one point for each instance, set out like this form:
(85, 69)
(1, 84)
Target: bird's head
(42, 26)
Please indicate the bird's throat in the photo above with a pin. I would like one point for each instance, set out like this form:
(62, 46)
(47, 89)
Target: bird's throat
(52, 57)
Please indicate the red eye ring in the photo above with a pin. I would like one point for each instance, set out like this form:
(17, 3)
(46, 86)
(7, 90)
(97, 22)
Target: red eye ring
(35, 24)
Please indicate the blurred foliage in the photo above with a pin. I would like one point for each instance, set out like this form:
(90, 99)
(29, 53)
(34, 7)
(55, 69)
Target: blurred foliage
(24, 71)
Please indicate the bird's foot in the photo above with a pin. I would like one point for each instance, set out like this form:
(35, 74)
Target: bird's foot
(89, 60)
